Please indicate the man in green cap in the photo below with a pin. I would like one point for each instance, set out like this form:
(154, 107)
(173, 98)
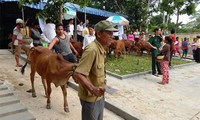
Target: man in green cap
(91, 69)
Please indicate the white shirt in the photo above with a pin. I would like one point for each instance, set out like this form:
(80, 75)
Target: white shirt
(71, 29)
(48, 32)
(17, 32)
(80, 29)
(121, 31)
(137, 34)
(116, 33)
(88, 39)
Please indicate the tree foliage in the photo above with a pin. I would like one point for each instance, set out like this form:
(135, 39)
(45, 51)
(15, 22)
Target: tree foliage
(178, 7)
(53, 8)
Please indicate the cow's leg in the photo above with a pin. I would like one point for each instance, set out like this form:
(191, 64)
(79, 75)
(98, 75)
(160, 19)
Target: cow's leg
(48, 95)
(64, 90)
(32, 74)
(44, 85)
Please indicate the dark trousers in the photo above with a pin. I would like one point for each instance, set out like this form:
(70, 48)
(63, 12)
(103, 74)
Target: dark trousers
(155, 64)
(194, 55)
(70, 57)
(197, 55)
(80, 38)
(171, 54)
(92, 110)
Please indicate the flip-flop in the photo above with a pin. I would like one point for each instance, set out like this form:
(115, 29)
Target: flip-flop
(162, 83)
(18, 65)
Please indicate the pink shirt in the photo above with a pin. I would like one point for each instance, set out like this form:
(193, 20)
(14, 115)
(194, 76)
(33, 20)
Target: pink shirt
(131, 37)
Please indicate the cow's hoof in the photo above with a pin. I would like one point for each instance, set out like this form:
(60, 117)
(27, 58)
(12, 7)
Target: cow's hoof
(48, 106)
(66, 109)
(34, 95)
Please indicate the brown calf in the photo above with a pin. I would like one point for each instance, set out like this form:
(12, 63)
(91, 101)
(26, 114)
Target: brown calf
(52, 68)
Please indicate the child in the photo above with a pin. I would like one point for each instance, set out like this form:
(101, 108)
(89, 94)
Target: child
(165, 62)
(185, 47)
(176, 44)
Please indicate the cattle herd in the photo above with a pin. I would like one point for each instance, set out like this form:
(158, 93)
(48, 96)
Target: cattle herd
(120, 47)
(54, 69)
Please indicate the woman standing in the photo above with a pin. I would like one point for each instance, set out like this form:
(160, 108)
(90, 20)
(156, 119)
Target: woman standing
(165, 62)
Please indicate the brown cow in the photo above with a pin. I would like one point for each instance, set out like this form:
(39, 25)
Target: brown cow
(78, 46)
(130, 46)
(111, 47)
(52, 68)
(143, 45)
(120, 48)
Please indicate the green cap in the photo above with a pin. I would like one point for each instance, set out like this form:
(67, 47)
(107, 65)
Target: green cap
(104, 25)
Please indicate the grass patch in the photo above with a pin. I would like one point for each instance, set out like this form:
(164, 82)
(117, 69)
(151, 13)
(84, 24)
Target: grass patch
(130, 64)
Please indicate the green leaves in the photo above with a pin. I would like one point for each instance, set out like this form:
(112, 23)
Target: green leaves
(53, 8)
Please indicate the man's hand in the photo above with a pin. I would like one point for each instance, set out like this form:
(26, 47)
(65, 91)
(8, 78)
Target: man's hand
(98, 91)
(75, 79)
(76, 53)
(154, 47)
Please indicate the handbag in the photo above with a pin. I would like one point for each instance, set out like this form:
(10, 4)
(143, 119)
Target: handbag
(159, 58)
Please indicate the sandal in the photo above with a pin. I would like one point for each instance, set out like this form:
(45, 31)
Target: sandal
(155, 75)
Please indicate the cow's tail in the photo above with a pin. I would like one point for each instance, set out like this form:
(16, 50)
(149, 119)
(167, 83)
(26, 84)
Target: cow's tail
(23, 68)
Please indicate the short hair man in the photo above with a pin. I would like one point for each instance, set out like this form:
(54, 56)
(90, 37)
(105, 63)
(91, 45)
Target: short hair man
(91, 69)
(156, 42)
(89, 37)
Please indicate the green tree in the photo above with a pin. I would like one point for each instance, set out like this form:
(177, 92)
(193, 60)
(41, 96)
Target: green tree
(53, 8)
(178, 7)
(137, 11)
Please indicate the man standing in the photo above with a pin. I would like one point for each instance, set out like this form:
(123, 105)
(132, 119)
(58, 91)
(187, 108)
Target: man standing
(35, 34)
(86, 23)
(17, 40)
(49, 31)
(63, 44)
(79, 32)
(91, 69)
(156, 42)
(71, 28)
(89, 37)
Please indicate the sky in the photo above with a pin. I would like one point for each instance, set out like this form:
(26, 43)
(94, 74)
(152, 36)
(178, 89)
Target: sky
(183, 18)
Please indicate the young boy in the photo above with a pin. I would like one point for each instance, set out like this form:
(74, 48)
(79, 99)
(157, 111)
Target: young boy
(185, 47)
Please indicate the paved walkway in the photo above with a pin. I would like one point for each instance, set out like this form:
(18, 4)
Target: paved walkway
(10, 106)
(141, 95)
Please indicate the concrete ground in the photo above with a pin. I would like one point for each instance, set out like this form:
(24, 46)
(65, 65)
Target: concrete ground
(19, 84)
(141, 95)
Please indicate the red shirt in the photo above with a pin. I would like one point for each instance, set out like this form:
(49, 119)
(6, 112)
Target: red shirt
(172, 36)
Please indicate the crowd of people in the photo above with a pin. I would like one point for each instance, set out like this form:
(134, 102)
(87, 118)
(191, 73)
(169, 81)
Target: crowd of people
(167, 46)
(90, 71)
